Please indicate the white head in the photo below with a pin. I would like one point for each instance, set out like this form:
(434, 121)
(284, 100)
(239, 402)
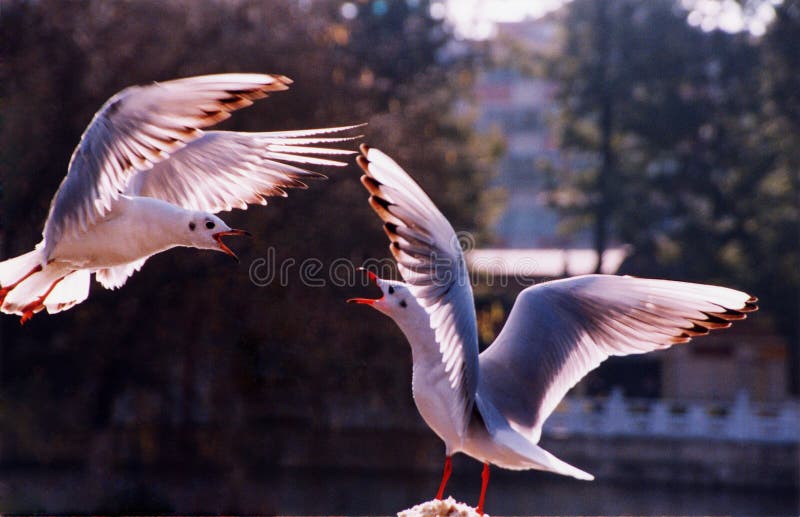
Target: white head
(205, 231)
(397, 302)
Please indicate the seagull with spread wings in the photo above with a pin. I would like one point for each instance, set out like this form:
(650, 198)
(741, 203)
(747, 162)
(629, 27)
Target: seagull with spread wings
(145, 178)
(491, 406)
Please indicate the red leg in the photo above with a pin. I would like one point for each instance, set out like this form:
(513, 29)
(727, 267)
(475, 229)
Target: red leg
(7, 289)
(484, 484)
(448, 469)
(35, 306)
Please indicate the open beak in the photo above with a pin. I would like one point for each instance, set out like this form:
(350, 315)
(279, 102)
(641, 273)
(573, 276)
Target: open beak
(372, 276)
(219, 235)
(366, 301)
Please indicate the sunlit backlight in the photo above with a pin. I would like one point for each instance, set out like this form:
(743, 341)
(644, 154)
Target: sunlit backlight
(477, 19)
(438, 10)
(729, 15)
(349, 10)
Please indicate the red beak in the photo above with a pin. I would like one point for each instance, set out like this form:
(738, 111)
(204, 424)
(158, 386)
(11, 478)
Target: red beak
(372, 276)
(219, 235)
(366, 301)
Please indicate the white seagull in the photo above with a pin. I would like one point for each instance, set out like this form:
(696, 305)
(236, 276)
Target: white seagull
(145, 178)
(492, 405)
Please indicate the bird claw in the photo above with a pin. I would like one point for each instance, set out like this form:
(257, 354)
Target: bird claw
(32, 308)
(35, 306)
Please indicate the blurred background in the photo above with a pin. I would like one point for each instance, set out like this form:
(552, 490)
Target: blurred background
(660, 136)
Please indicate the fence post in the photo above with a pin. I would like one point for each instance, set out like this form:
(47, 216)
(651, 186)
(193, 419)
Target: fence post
(739, 417)
(615, 414)
(698, 420)
(789, 422)
(659, 418)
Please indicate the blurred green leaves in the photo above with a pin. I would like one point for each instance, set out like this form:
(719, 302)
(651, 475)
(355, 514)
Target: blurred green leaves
(704, 137)
(190, 333)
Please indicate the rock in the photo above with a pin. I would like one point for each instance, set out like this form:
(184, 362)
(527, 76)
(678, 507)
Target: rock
(440, 508)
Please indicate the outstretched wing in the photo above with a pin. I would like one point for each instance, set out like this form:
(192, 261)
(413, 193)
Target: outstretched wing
(137, 128)
(559, 331)
(222, 170)
(430, 260)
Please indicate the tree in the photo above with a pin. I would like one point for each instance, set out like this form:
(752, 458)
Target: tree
(191, 341)
(777, 215)
(698, 187)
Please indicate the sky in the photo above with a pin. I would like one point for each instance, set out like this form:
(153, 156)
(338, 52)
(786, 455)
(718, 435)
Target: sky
(729, 16)
(475, 19)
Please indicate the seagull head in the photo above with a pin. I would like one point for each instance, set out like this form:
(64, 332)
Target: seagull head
(205, 231)
(396, 300)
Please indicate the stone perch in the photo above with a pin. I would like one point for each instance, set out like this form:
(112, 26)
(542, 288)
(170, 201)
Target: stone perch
(441, 508)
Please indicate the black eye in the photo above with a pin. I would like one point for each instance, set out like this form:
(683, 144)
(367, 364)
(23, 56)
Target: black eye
(192, 226)
(210, 225)
(391, 290)
(403, 304)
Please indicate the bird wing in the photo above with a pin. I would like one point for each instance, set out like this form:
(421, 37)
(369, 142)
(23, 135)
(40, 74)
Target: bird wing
(115, 277)
(222, 170)
(138, 128)
(430, 260)
(559, 331)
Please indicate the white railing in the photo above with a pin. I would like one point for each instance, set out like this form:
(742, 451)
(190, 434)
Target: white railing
(741, 419)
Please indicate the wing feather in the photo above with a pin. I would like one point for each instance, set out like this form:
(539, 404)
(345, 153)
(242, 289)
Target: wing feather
(559, 331)
(431, 262)
(137, 128)
(223, 169)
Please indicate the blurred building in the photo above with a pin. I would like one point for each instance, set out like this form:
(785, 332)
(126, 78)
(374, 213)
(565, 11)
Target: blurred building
(747, 357)
(520, 106)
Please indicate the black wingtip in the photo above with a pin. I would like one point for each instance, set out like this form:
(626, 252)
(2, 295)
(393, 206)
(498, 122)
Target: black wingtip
(391, 227)
(363, 163)
(372, 185)
(380, 201)
(750, 305)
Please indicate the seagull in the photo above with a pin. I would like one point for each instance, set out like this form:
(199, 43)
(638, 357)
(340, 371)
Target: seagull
(491, 406)
(145, 178)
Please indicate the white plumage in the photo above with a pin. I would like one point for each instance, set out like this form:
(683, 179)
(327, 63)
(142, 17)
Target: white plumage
(145, 177)
(492, 405)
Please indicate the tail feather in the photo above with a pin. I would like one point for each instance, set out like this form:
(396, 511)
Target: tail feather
(534, 457)
(28, 296)
(27, 288)
(12, 270)
(69, 292)
(553, 464)
(524, 454)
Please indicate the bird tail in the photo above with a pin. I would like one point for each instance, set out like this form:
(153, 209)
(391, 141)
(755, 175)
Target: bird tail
(534, 457)
(26, 287)
(528, 455)
(544, 460)
(15, 269)
(70, 291)
(525, 454)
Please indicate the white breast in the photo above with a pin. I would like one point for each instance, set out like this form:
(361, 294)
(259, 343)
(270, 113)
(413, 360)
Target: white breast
(135, 228)
(430, 387)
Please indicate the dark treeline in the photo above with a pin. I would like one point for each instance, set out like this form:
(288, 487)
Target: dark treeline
(685, 145)
(191, 339)
(699, 141)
